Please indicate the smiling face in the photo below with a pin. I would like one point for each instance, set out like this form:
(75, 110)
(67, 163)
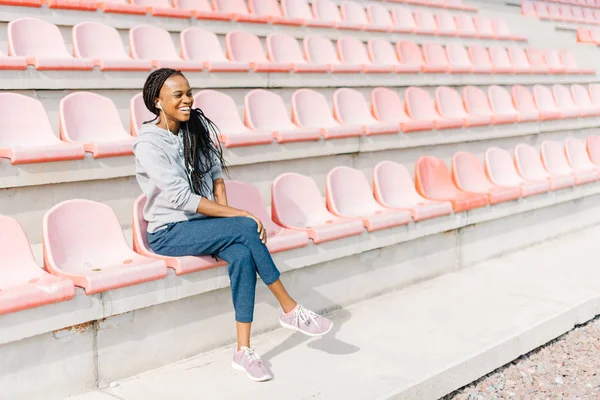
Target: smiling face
(176, 101)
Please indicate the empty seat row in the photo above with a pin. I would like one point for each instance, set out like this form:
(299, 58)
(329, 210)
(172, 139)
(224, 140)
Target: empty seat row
(563, 13)
(298, 213)
(588, 35)
(451, 4)
(582, 3)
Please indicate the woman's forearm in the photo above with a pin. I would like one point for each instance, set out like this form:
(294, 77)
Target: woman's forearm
(220, 192)
(214, 209)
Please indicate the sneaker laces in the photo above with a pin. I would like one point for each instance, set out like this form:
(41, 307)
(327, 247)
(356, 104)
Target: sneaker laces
(306, 316)
(251, 355)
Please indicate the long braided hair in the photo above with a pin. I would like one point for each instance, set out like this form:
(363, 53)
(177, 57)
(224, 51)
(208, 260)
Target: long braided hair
(199, 134)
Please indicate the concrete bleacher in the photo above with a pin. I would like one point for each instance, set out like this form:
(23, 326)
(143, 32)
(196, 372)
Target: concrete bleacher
(89, 341)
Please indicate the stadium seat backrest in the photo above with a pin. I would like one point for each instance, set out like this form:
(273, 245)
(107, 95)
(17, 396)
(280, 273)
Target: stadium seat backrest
(138, 113)
(425, 20)
(523, 99)
(432, 178)
(221, 109)
(297, 9)
(379, 15)
(500, 100)
(244, 46)
(563, 97)
(326, 10)
(553, 156)
(284, 49)
(419, 104)
(458, 55)
(465, 25)
(15, 250)
(244, 196)
(403, 19)
(500, 57)
(553, 60)
(434, 54)
(310, 108)
(392, 182)
(518, 57)
(536, 58)
(577, 154)
(349, 191)
(320, 50)
(448, 102)
(382, 52)
(96, 40)
(201, 45)
(231, 6)
(479, 55)
(409, 53)
(581, 96)
(265, 7)
(24, 121)
(352, 11)
(446, 22)
(350, 107)
(387, 105)
(476, 101)
(483, 25)
(500, 167)
(197, 5)
(594, 90)
(34, 37)
(352, 51)
(265, 110)
(543, 98)
(468, 172)
(149, 42)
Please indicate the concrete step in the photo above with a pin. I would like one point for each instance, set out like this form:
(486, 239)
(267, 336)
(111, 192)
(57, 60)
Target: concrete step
(418, 343)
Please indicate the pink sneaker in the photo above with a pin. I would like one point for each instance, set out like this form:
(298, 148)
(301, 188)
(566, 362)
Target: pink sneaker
(247, 360)
(305, 321)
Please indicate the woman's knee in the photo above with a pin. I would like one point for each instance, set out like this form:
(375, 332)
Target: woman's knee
(248, 228)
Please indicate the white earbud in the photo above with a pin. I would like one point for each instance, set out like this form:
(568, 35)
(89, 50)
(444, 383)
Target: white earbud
(158, 106)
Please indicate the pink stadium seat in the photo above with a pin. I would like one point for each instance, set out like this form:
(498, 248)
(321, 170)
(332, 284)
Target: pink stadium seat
(579, 158)
(420, 107)
(49, 54)
(93, 120)
(545, 103)
(201, 9)
(459, 60)
(349, 196)
(238, 11)
(310, 110)
(102, 43)
(394, 188)
(480, 58)
(14, 63)
(525, 104)
(568, 60)
(450, 106)
(577, 13)
(203, 47)
(581, 97)
(469, 176)
(409, 54)
(446, 24)
(554, 12)
(465, 26)
(352, 51)
(327, 10)
(537, 62)
(593, 148)
(380, 17)
(541, 10)
(502, 106)
(388, 107)
(23, 284)
(426, 24)
(350, 107)
(181, 265)
(435, 58)
(554, 62)
(521, 64)
(503, 32)
(162, 8)
(299, 9)
(501, 171)
(320, 50)
(355, 13)
(555, 161)
(26, 135)
(404, 20)
(594, 90)
(149, 42)
(285, 49)
(94, 254)
(433, 181)
(221, 109)
(595, 34)
(271, 9)
(564, 102)
(297, 204)
(529, 165)
(567, 14)
(527, 9)
(477, 105)
(121, 7)
(246, 47)
(247, 197)
(484, 27)
(588, 15)
(266, 111)
(382, 52)
(501, 62)
(138, 114)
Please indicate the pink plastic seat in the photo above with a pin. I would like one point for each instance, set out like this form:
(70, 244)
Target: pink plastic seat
(238, 11)
(121, 7)
(349, 196)
(555, 161)
(554, 13)
(23, 284)
(541, 10)
(94, 254)
(246, 47)
(480, 58)
(581, 97)
(570, 64)
(382, 52)
(594, 90)
(567, 14)
(484, 27)
(203, 47)
(577, 13)
(149, 42)
(409, 54)
(285, 49)
(593, 148)
(310, 110)
(102, 43)
(502, 106)
(138, 114)
(554, 62)
(530, 166)
(465, 26)
(450, 106)
(469, 176)
(162, 8)
(327, 10)
(420, 107)
(584, 35)
(271, 10)
(595, 34)
(502, 63)
(394, 188)
(525, 104)
(404, 20)
(14, 62)
(247, 197)
(320, 50)
(433, 181)
(266, 111)
(521, 64)
(503, 32)
(24, 40)
(544, 100)
(297, 204)
(181, 265)
(425, 20)
(580, 162)
(380, 17)
(300, 9)
(350, 107)
(527, 9)
(93, 120)
(355, 13)
(388, 107)
(352, 51)
(26, 135)
(222, 110)
(201, 9)
(458, 58)
(564, 102)
(477, 105)
(537, 62)
(502, 172)
(435, 58)
(446, 24)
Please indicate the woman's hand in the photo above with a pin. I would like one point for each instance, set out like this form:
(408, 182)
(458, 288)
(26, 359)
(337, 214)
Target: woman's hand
(261, 229)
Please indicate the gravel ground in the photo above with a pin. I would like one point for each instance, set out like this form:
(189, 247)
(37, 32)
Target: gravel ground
(566, 368)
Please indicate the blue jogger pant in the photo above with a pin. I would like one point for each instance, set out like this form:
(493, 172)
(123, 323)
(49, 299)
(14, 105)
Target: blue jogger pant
(234, 240)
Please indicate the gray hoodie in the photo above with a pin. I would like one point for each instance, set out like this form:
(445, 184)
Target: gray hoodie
(161, 173)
